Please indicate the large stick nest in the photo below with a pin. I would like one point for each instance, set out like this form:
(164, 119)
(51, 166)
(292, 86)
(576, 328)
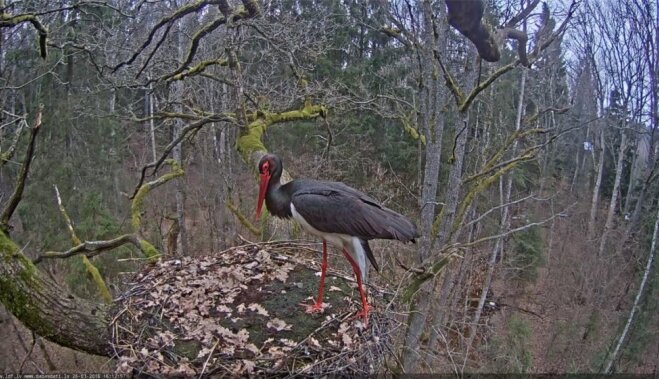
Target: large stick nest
(238, 313)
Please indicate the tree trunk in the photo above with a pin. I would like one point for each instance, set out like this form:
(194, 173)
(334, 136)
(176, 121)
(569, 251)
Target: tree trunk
(177, 153)
(430, 97)
(596, 190)
(647, 273)
(614, 196)
(46, 308)
(633, 175)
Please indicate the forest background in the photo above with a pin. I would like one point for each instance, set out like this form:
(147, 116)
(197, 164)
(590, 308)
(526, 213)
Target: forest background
(526, 154)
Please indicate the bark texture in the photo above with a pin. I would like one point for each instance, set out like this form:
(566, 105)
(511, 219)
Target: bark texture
(46, 308)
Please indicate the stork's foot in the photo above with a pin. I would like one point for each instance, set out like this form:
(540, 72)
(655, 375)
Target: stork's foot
(363, 314)
(316, 307)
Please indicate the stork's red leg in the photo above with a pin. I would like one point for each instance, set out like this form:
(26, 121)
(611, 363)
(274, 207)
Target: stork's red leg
(318, 305)
(358, 275)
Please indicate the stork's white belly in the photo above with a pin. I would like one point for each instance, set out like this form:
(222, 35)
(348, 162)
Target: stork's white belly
(350, 243)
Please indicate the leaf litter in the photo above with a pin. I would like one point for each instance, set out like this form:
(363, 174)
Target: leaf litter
(237, 313)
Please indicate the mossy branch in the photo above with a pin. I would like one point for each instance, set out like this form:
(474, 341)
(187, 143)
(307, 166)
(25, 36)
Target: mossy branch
(408, 126)
(464, 105)
(534, 117)
(243, 220)
(98, 279)
(250, 9)
(450, 82)
(194, 45)
(482, 184)
(7, 20)
(93, 271)
(435, 269)
(47, 309)
(252, 139)
(17, 195)
(197, 69)
(91, 248)
(493, 162)
(136, 206)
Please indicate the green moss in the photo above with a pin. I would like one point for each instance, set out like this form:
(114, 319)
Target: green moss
(98, 279)
(136, 206)
(300, 285)
(409, 292)
(189, 349)
(252, 139)
(7, 247)
(149, 250)
(12, 296)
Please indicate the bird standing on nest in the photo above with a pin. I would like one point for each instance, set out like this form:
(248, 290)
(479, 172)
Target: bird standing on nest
(340, 215)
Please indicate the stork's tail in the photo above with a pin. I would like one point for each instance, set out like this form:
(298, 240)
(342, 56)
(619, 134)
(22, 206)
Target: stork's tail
(369, 254)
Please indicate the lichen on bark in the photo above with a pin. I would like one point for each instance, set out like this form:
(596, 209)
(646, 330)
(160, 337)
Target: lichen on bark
(47, 309)
(251, 140)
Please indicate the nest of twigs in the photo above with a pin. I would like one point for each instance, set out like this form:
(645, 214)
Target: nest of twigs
(238, 313)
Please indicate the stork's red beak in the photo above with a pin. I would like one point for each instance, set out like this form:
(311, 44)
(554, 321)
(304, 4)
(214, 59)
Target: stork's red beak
(263, 187)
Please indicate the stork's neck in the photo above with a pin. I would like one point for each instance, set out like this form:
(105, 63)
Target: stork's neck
(278, 199)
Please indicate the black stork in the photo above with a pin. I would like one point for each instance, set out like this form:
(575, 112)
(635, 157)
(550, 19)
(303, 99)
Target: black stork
(338, 214)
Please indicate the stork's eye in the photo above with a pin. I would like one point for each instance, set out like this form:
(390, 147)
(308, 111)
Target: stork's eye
(265, 168)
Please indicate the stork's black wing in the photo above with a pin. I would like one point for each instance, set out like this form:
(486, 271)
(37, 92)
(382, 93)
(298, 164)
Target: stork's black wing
(333, 207)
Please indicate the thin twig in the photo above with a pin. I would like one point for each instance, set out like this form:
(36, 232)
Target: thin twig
(34, 342)
(208, 359)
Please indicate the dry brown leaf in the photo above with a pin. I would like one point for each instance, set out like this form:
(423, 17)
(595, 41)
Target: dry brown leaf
(347, 340)
(249, 366)
(264, 257)
(278, 325)
(223, 308)
(258, 308)
(314, 342)
(281, 272)
(252, 348)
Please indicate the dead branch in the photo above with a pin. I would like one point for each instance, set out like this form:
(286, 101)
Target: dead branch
(479, 218)
(16, 196)
(512, 231)
(67, 219)
(243, 220)
(34, 342)
(9, 154)
(524, 13)
(90, 248)
(521, 38)
(93, 270)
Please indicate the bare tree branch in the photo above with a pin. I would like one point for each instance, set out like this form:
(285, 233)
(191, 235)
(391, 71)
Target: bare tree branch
(90, 248)
(168, 20)
(16, 196)
(515, 230)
